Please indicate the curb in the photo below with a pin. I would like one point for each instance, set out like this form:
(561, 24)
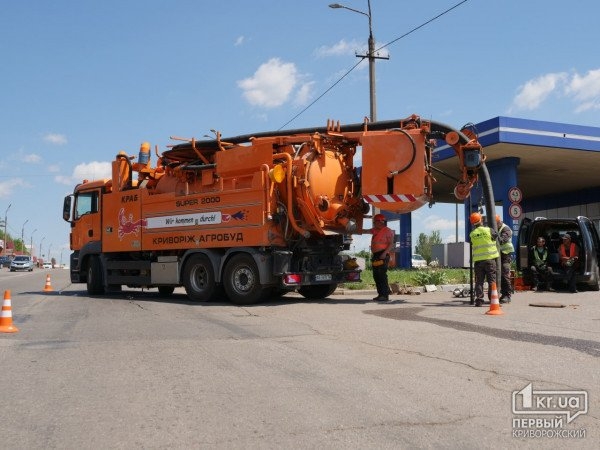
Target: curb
(422, 289)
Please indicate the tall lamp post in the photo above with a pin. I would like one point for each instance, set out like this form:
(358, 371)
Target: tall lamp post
(5, 225)
(370, 55)
(23, 236)
(31, 245)
(41, 242)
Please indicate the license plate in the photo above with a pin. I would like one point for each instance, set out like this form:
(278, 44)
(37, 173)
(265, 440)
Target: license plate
(323, 277)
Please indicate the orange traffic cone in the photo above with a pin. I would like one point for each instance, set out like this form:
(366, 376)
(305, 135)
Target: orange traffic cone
(48, 286)
(6, 323)
(494, 302)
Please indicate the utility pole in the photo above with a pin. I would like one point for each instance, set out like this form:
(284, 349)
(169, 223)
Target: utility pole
(5, 226)
(31, 244)
(23, 237)
(371, 56)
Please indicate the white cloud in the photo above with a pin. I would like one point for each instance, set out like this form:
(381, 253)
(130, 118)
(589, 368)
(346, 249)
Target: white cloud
(340, 48)
(32, 158)
(345, 48)
(582, 90)
(53, 168)
(271, 85)
(585, 90)
(86, 171)
(535, 91)
(436, 223)
(7, 187)
(239, 41)
(304, 94)
(56, 139)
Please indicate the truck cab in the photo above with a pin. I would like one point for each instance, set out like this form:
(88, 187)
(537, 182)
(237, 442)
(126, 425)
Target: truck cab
(583, 234)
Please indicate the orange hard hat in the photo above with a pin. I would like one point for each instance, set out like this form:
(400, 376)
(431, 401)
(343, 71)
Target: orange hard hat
(378, 217)
(475, 218)
(498, 218)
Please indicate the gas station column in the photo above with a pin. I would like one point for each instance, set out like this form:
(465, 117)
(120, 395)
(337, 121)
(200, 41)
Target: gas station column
(405, 241)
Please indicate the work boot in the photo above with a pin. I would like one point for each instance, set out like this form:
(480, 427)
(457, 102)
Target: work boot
(478, 302)
(505, 299)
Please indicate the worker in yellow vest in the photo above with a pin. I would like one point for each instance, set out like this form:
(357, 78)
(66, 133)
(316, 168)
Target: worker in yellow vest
(485, 252)
(506, 254)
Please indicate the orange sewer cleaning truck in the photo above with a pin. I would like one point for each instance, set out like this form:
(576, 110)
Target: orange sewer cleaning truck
(255, 215)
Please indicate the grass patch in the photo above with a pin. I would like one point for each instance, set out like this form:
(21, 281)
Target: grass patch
(413, 277)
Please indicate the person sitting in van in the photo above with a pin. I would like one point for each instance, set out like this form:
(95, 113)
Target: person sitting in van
(540, 270)
(569, 260)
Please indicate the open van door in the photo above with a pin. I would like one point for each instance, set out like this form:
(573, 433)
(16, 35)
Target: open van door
(523, 244)
(590, 250)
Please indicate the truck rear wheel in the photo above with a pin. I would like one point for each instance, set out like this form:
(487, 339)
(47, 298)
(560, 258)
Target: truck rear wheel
(317, 291)
(199, 278)
(242, 281)
(95, 286)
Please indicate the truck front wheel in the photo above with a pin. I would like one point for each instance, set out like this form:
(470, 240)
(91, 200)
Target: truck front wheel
(199, 278)
(95, 286)
(242, 281)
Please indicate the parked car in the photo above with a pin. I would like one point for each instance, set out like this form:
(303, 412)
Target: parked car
(21, 262)
(583, 234)
(47, 265)
(4, 261)
(418, 262)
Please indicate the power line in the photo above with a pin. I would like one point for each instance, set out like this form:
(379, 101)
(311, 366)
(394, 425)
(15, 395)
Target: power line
(422, 25)
(365, 57)
(323, 94)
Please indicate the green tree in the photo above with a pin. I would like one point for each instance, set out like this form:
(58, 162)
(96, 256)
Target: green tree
(363, 254)
(425, 243)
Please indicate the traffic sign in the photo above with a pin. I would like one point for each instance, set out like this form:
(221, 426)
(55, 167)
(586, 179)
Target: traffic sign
(515, 195)
(515, 210)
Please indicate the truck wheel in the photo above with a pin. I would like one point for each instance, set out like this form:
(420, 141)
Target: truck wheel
(198, 278)
(317, 291)
(241, 280)
(95, 286)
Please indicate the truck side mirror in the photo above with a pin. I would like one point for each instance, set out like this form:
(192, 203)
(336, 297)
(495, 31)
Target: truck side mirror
(67, 208)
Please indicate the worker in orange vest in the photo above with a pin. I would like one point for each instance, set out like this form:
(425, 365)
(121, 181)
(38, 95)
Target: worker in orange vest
(382, 243)
(569, 260)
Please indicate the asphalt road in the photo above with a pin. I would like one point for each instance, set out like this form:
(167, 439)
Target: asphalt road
(423, 371)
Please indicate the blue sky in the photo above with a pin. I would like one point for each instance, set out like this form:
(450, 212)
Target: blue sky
(82, 80)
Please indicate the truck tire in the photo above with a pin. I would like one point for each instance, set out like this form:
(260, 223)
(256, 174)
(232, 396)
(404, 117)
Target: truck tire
(95, 285)
(317, 291)
(241, 280)
(199, 278)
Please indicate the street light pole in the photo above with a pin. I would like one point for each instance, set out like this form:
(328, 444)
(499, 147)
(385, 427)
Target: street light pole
(5, 226)
(31, 245)
(41, 242)
(371, 56)
(23, 237)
